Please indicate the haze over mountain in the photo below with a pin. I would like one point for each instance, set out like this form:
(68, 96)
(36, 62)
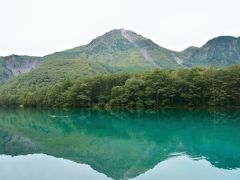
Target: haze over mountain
(119, 50)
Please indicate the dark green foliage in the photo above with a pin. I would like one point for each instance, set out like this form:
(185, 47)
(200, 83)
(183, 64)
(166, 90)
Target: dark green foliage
(159, 88)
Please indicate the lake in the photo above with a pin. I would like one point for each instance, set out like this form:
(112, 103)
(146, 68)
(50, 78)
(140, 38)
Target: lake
(168, 144)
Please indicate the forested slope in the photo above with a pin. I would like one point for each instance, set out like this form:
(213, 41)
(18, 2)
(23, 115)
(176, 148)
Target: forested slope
(159, 88)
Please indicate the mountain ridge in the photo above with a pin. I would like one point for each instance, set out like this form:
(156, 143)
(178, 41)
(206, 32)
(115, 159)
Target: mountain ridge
(221, 51)
(121, 50)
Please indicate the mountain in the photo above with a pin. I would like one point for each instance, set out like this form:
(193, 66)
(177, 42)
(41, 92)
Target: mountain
(116, 51)
(221, 51)
(122, 50)
(119, 50)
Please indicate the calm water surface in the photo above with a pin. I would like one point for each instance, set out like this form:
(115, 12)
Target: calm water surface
(92, 144)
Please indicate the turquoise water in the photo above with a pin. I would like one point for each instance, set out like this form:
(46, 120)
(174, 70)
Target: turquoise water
(93, 144)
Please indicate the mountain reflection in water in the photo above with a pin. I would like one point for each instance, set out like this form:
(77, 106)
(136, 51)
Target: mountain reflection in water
(123, 144)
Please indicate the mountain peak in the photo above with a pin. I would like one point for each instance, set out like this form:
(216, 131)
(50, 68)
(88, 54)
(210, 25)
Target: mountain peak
(220, 51)
(115, 32)
(121, 47)
(120, 31)
(119, 34)
(222, 40)
(110, 41)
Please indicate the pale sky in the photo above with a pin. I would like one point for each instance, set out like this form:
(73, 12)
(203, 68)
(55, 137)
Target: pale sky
(40, 27)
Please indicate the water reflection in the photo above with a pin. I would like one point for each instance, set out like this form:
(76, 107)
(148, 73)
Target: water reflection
(123, 144)
(43, 167)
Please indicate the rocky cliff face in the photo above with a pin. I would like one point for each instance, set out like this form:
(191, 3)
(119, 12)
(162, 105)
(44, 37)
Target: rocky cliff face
(14, 65)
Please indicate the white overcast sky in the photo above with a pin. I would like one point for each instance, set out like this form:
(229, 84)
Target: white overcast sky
(39, 27)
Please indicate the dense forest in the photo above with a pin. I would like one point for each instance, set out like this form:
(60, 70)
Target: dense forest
(159, 88)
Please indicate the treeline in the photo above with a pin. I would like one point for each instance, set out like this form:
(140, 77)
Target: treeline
(160, 88)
